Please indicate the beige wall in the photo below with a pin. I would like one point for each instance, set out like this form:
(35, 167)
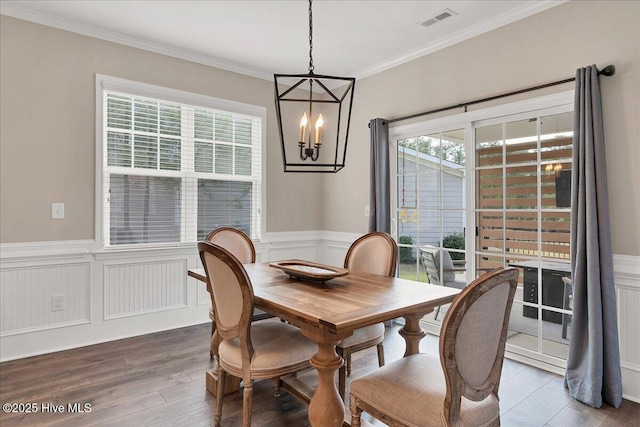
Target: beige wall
(47, 125)
(545, 47)
(47, 129)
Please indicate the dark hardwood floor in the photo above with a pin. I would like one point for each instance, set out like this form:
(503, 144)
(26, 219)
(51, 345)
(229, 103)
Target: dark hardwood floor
(159, 380)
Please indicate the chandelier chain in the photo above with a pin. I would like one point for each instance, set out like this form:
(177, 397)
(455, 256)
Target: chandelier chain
(296, 93)
(310, 38)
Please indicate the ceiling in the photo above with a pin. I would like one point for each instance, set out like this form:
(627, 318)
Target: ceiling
(259, 38)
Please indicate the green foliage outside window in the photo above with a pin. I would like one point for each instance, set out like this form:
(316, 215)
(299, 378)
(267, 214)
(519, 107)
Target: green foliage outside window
(406, 253)
(454, 240)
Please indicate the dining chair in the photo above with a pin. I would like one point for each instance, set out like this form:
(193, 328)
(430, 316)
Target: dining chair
(375, 253)
(250, 351)
(241, 246)
(432, 259)
(458, 388)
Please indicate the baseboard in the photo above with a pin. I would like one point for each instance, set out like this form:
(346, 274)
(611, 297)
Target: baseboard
(630, 382)
(86, 343)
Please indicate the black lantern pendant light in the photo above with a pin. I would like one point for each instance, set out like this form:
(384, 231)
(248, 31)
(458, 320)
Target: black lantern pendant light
(313, 112)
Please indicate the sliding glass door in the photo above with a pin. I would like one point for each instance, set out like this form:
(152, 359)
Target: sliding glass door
(483, 190)
(430, 212)
(523, 219)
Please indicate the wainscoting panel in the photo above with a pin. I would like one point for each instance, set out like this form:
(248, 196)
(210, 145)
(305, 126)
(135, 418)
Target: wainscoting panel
(627, 279)
(26, 294)
(306, 251)
(290, 245)
(203, 297)
(137, 288)
(629, 319)
(335, 246)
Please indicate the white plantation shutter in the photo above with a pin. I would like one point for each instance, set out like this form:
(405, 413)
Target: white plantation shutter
(174, 171)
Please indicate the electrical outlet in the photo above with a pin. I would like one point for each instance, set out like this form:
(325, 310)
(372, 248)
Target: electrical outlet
(58, 303)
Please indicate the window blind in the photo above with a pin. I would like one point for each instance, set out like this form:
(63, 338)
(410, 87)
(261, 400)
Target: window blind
(172, 172)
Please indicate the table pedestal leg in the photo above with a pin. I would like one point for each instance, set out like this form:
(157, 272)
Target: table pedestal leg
(326, 408)
(231, 385)
(412, 332)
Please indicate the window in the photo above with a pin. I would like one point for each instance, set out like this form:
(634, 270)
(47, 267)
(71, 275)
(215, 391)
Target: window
(174, 165)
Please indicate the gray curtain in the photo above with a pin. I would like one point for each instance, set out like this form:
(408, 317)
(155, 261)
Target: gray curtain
(379, 196)
(593, 366)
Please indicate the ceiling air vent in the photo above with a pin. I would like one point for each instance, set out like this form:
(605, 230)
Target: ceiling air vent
(447, 13)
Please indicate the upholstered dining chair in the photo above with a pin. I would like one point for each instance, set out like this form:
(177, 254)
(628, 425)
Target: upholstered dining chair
(375, 253)
(263, 350)
(241, 246)
(458, 388)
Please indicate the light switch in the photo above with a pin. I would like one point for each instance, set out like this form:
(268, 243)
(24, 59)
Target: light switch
(57, 210)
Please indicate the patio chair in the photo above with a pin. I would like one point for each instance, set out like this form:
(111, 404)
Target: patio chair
(432, 259)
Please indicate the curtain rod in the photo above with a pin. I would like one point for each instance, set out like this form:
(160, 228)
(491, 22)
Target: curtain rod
(609, 70)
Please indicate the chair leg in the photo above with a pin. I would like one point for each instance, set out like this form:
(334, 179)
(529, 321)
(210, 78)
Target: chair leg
(247, 403)
(342, 381)
(215, 343)
(277, 383)
(355, 413)
(348, 362)
(437, 313)
(380, 355)
(342, 373)
(222, 378)
(566, 318)
(215, 340)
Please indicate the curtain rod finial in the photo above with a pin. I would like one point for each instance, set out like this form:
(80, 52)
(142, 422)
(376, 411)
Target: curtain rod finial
(609, 70)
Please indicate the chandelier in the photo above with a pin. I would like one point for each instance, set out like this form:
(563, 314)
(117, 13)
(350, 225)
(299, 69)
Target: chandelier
(313, 113)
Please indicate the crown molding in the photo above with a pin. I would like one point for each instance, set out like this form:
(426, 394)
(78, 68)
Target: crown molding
(528, 9)
(15, 11)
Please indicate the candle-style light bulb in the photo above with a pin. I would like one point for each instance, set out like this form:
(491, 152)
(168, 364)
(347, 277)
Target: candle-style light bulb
(303, 126)
(319, 124)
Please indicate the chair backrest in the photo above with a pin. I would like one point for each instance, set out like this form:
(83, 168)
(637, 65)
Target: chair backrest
(375, 253)
(432, 259)
(473, 338)
(231, 288)
(236, 242)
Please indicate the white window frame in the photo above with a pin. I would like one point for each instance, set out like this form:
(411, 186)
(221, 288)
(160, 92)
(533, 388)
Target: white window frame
(466, 121)
(134, 88)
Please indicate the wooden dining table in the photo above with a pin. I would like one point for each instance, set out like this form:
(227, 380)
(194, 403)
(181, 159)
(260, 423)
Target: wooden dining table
(327, 312)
